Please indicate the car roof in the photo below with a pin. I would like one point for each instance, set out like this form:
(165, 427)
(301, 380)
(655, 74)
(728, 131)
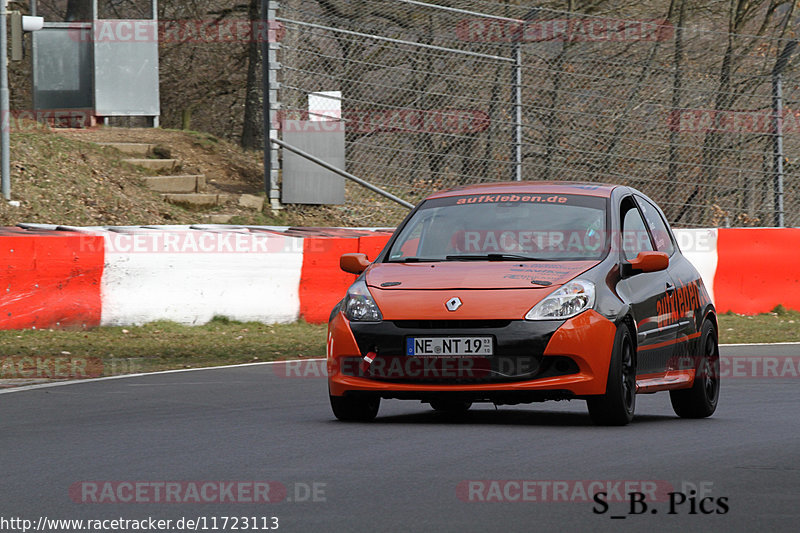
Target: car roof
(531, 187)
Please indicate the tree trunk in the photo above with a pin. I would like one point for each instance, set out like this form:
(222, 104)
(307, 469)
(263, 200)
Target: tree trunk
(552, 122)
(78, 11)
(677, 84)
(251, 128)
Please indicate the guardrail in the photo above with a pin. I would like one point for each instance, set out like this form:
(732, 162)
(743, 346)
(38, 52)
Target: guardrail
(57, 276)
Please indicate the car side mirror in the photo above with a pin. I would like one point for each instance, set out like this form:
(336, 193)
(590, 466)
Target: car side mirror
(646, 262)
(354, 263)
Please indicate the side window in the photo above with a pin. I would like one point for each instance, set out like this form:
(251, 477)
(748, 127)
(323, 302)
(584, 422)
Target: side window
(634, 233)
(658, 229)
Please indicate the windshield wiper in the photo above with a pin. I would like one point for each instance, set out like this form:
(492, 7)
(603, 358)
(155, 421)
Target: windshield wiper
(496, 257)
(414, 260)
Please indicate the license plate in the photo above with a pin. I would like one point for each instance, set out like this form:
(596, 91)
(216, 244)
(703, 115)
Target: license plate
(449, 346)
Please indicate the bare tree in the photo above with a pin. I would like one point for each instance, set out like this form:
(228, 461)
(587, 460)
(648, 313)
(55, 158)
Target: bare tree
(78, 10)
(251, 127)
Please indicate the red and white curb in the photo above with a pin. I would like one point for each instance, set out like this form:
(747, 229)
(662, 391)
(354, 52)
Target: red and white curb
(83, 277)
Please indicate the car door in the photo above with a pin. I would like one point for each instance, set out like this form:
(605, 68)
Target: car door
(646, 293)
(681, 309)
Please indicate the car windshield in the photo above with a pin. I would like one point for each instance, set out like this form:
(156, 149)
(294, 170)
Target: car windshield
(504, 227)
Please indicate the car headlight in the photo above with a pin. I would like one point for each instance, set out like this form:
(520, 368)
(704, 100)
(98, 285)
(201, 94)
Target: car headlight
(566, 302)
(359, 305)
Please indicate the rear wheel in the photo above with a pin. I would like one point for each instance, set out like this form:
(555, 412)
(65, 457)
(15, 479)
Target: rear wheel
(700, 401)
(355, 408)
(451, 406)
(616, 406)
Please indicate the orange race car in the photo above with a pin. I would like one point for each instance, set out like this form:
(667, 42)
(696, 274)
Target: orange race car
(522, 292)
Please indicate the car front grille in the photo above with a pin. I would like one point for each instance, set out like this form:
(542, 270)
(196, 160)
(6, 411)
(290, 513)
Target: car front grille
(451, 324)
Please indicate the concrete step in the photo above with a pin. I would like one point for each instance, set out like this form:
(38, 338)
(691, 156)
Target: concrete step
(158, 165)
(251, 201)
(138, 149)
(188, 183)
(198, 199)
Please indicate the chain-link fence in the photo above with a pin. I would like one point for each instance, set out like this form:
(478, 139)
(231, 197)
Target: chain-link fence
(435, 96)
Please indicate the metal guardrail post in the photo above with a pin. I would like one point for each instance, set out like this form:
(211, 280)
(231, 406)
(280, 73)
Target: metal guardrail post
(777, 151)
(516, 149)
(5, 119)
(777, 123)
(343, 173)
(270, 86)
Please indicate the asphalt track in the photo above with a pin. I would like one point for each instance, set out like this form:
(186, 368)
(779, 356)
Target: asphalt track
(403, 471)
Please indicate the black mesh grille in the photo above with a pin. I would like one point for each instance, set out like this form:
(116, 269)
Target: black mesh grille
(451, 324)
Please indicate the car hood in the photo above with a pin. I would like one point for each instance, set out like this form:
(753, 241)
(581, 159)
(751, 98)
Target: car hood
(494, 290)
(474, 275)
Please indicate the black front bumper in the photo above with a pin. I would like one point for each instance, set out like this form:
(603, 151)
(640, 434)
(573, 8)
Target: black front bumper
(518, 352)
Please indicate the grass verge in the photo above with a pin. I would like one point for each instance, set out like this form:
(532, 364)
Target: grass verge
(158, 346)
(781, 325)
(166, 345)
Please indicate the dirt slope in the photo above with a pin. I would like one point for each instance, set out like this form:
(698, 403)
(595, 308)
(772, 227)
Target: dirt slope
(63, 177)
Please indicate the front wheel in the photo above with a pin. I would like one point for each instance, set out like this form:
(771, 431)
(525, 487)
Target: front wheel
(700, 401)
(355, 408)
(616, 406)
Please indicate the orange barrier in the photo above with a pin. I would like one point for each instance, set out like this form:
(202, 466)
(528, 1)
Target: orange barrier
(757, 269)
(322, 282)
(49, 279)
(373, 244)
(53, 278)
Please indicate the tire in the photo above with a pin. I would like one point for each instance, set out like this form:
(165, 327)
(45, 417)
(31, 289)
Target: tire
(617, 405)
(700, 401)
(451, 406)
(355, 409)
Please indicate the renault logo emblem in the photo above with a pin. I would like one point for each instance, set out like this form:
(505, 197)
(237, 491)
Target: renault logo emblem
(453, 304)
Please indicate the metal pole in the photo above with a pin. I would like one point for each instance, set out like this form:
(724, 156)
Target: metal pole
(5, 119)
(395, 41)
(267, 105)
(517, 84)
(343, 173)
(154, 17)
(777, 122)
(477, 14)
(517, 148)
(777, 146)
